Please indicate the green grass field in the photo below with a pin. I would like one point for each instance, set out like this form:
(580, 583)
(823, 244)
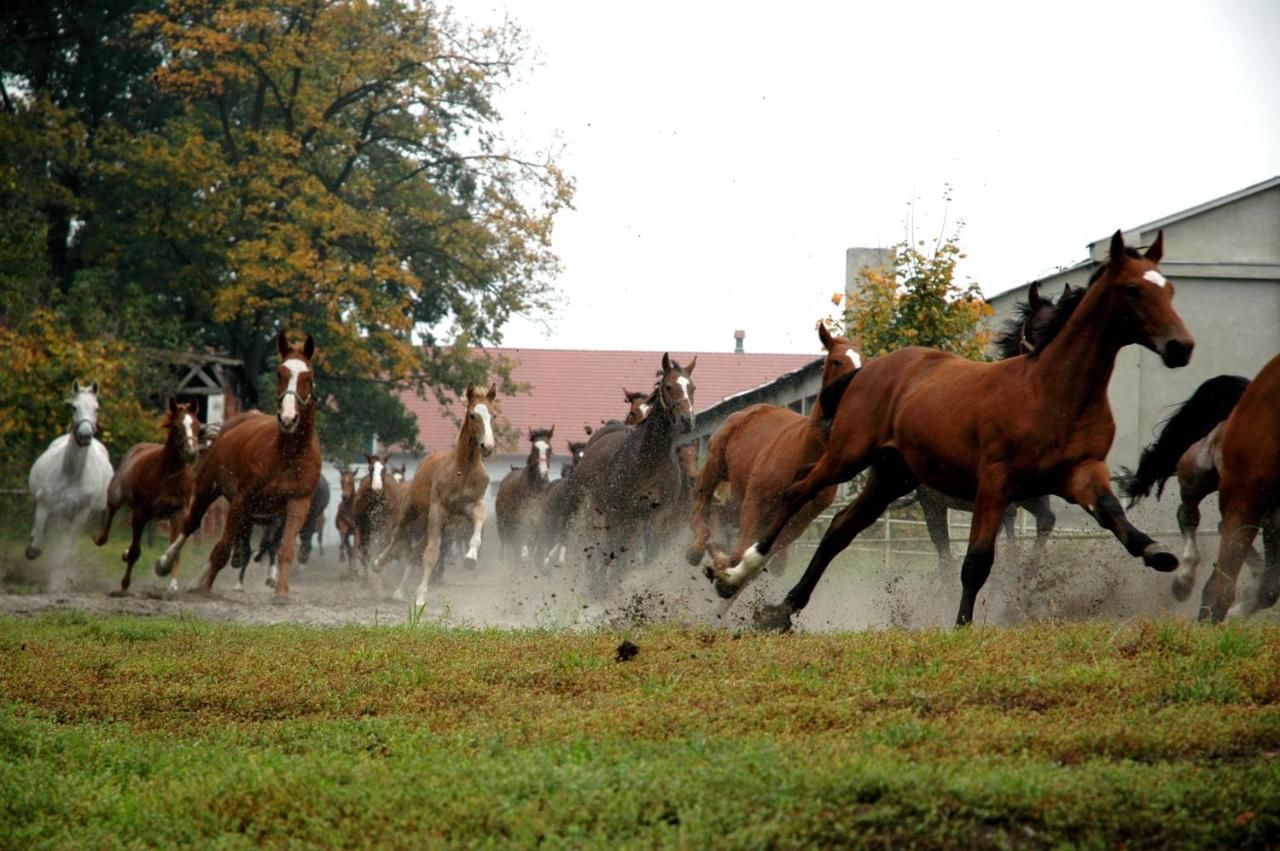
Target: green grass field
(126, 732)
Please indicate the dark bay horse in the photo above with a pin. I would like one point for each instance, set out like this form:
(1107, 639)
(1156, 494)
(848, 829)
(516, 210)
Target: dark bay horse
(273, 536)
(757, 452)
(991, 432)
(263, 465)
(1022, 334)
(628, 474)
(1249, 495)
(377, 502)
(345, 519)
(447, 488)
(553, 520)
(521, 496)
(155, 482)
(1188, 446)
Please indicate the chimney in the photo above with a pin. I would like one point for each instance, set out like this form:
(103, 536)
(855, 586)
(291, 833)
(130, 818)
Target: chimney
(737, 341)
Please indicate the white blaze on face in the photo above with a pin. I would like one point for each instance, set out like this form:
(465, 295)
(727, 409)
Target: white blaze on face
(544, 453)
(377, 475)
(486, 417)
(684, 388)
(289, 404)
(645, 407)
(189, 426)
(1155, 277)
(854, 358)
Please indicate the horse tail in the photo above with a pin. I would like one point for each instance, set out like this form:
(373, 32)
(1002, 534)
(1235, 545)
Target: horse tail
(1212, 403)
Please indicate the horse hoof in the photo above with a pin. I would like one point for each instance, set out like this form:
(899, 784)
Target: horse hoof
(279, 599)
(32, 553)
(162, 568)
(239, 587)
(271, 583)
(693, 555)
(470, 563)
(173, 585)
(1158, 558)
(724, 588)
(772, 618)
(1181, 588)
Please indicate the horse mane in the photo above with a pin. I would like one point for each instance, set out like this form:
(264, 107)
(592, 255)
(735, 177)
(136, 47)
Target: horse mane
(1008, 340)
(829, 397)
(1212, 403)
(536, 433)
(1062, 312)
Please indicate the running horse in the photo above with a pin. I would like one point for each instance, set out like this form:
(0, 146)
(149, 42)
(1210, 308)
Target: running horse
(375, 507)
(992, 432)
(263, 465)
(1022, 334)
(1249, 496)
(553, 519)
(1188, 446)
(345, 520)
(757, 453)
(448, 487)
(155, 481)
(273, 536)
(69, 480)
(521, 495)
(628, 474)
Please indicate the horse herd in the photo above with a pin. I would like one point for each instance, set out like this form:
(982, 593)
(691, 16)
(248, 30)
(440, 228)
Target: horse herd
(983, 436)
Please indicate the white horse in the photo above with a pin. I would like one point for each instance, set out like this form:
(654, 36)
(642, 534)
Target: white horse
(69, 480)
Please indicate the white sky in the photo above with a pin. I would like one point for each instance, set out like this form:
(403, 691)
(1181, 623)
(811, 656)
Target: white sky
(726, 154)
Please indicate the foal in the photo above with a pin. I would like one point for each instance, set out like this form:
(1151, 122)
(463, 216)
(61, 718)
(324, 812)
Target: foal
(448, 487)
(155, 482)
(263, 465)
(991, 432)
(521, 494)
(345, 519)
(375, 507)
(758, 451)
(553, 520)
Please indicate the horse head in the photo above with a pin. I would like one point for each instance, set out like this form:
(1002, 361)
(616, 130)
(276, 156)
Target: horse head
(294, 382)
(479, 420)
(183, 426)
(576, 450)
(1141, 302)
(84, 412)
(1029, 327)
(377, 466)
(398, 473)
(639, 406)
(687, 458)
(842, 358)
(540, 451)
(673, 395)
(347, 483)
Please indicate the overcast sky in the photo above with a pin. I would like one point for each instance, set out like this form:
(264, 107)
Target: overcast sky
(726, 154)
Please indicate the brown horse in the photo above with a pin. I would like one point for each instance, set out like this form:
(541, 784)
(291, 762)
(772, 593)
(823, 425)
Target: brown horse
(345, 519)
(553, 520)
(155, 481)
(448, 487)
(638, 406)
(758, 452)
(375, 507)
(1249, 495)
(1188, 446)
(991, 432)
(521, 495)
(263, 465)
(629, 474)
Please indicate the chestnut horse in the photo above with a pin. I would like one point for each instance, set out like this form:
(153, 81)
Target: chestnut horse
(156, 483)
(375, 507)
(1188, 446)
(553, 520)
(448, 487)
(629, 474)
(1249, 494)
(263, 465)
(758, 451)
(521, 495)
(993, 432)
(1022, 334)
(345, 519)
(638, 406)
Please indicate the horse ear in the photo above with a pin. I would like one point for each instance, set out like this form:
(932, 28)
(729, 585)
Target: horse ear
(626, 395)
(692, 364)
(75, 387)
(1117, 246)
(824, 335)
(666, 361)
(1033, 295)
(470, 392)
(93, 387)
(1156, 251)
(309, 347)
(1066, 291)
(282, 344)
(493, 391)
(551, 432)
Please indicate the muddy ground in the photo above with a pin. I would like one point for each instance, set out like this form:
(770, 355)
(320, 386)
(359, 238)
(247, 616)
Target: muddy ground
(1083, 579)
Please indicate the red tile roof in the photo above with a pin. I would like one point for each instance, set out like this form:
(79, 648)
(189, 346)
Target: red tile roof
(572, 388)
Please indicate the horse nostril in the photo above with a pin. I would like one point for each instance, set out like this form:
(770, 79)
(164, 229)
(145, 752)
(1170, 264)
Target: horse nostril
(1177, 353)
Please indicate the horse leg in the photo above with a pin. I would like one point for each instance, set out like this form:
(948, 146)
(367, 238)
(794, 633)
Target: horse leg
(432, 551)
(139, 522)
(107, 516)
(1045, 521)
(1269, 583)
(709, 477)
(889, 480)
(399, 530)
(175, 528)
(238, 522)
(295, 515)
(988, 515)
(935, 520)
(1184, 578)
(199, 505)
(1089, 486)
(1241, 516)
(241, 554)
(37, 532)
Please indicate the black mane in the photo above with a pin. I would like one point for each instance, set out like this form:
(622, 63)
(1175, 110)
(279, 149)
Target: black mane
(1061, 313)
(1008, 340)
